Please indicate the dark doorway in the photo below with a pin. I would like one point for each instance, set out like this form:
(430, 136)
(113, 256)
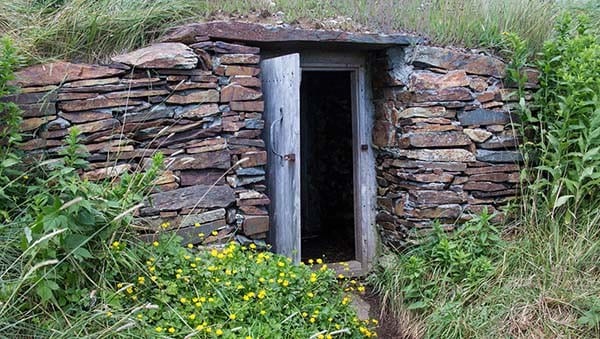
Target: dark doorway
(327, 187)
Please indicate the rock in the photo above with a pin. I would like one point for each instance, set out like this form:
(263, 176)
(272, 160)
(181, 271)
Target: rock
(161, 55)
(224, 47)
(492, 169)
(246, 81)
(483, 117)
(183, 86)
(446, 94)
(93, 82)
(429, 165)
(194, 97)
(443, 155)
(247, 106)
(254, 123)
(38, 110)
(30, 98)
(202, 218)
(207, 146)
(59, 72)
(250, 171)
(108, 172)
(438, 139)
(90, 104)
(39, 143)
(501, 141)
(58, 123)
(242, 70)
(217, 160)
(235, 59)
(199, 196)
(197, 111)
(487, 96)
(425, 112)
(494, 194)
(65, 96)
(499, 156)
(438, 197)
(99, 125)
(483, 186)
(137, 93)
(477, 134)
(494, 177)
(33, 123)
(428, 177)
(47, 88)
(455, 60)
(449, 211)
(384, 134)
(236, 92)
(422, 80)
(191, 234)
(201, 177)
(254, 159)
(255, 224)
(157, 112)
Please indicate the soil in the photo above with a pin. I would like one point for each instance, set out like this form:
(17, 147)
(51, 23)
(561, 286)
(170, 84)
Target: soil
(389, 327)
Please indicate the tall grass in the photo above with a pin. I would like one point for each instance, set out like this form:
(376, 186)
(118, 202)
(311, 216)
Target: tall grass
(94, 30)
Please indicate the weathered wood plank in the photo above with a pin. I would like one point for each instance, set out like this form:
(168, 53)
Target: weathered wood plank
(281, 90)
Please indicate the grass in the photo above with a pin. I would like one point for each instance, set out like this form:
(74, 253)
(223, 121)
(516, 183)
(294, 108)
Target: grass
(85, 30)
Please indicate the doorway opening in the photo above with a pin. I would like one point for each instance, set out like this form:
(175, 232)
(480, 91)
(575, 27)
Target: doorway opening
(327, 183)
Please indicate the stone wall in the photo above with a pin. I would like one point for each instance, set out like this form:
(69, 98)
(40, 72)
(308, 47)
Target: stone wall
(199, 104)
(443, 133)
(445, 137)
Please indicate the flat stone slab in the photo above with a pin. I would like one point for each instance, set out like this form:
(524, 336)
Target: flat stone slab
(59, 72)
(200, 196)
(161, 55)
(254, 32)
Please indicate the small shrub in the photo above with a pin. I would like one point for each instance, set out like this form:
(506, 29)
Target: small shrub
(445, 266)
(233, 292)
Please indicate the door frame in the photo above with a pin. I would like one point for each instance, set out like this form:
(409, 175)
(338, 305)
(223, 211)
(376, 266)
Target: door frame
(362, 152)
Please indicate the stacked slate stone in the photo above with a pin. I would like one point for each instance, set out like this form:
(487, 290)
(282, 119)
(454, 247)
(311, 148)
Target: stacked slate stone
(198, 104)
(446, 142)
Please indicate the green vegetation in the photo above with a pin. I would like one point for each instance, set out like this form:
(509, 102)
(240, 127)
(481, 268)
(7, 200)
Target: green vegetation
(94, 30)
(543, 279)
(72, 266)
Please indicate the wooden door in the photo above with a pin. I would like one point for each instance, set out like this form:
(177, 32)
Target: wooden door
(281, 89)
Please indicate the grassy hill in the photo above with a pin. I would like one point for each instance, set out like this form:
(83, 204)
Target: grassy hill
(92, 30)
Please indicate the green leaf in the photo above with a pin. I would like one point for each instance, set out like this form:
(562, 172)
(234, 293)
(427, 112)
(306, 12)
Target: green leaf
(44, 292)
(562, 200)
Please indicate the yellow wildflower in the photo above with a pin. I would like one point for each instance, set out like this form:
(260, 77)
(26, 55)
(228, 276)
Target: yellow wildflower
(319, 261)
(214, 233)
(263, 312)
(197, 224)
(232, 316)
(155, 244)
(109, 314)
(190, 245)
(192, 316)
(219, 332)
(158, 329)
(171, 330)
(252, 246)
